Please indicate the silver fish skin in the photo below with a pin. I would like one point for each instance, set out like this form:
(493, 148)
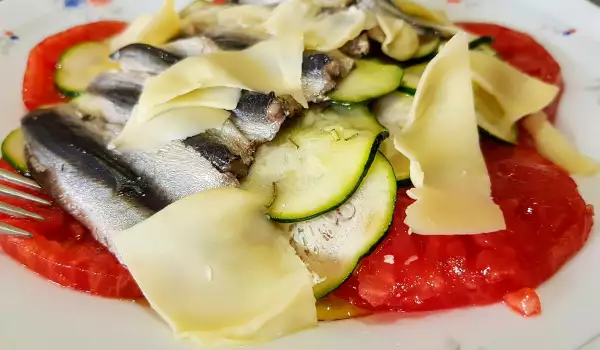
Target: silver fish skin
(228, 135)
(182, 167)
(88, 181)
(320, 73)
(178, 170)
(120, 90)
(357, 47)
(144, 58)
(260, 116)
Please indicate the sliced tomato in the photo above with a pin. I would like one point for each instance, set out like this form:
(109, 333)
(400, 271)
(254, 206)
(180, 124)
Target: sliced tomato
(547, 223)
(65, 252)
(525, 53)
(38, 82)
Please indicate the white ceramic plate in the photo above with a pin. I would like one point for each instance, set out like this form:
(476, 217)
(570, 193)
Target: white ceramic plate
(35, 314)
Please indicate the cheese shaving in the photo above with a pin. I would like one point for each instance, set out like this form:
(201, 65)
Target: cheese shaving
(174, 124)
(441, 140)
(217, 97)
(503, 94)
(257, 288)
(398, 39)
(332, 31)
(271, 65)
(554, 147)
(151, 29)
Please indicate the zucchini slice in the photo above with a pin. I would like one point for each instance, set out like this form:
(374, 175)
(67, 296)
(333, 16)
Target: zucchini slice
(370, 79)
(331, 245)
(79, 65)
(483, 44)
(315, 164)
(392, 111)
(428, 45)
(412, 76)
(13, 151)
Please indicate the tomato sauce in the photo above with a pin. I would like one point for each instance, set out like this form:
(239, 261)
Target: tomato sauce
(547, 223)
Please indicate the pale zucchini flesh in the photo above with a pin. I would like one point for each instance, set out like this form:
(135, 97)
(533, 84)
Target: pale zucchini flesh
(79, 65)
(392, 111)
(315, 164)
(428, 45)
(370, 79)
(412, 76)
(331, 245)
(13, 151)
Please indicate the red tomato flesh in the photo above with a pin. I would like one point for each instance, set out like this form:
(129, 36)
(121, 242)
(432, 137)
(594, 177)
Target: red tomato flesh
(38, 82)
(547, 223)
(64, 251)
(525, 302)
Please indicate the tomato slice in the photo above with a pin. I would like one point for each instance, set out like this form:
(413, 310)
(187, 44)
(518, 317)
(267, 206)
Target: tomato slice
(524, 53)
(38, 82)
(65, 252)
(547, 223)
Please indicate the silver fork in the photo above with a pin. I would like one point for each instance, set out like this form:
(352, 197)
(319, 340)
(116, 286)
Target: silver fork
(16, 211)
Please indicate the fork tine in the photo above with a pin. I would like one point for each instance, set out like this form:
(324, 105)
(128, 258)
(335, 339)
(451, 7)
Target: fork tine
(16, 211)
(14, 231)
(19, 194)
(18, 179)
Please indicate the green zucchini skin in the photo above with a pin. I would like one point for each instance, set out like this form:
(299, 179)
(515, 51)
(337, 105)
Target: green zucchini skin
(317, 162)
(13, 151)
(374, 150)
(79, 65)
(370, 79)
(355, 244)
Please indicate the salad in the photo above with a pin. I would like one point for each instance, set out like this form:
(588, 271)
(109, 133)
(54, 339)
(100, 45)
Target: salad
(251, 170)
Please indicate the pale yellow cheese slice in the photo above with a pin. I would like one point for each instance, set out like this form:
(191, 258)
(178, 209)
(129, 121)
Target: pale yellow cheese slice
(421, 12)
(321, 31)
(291, 17)
(153, 30)
(170, 125)
(392, 111)
(218, 271)
(248, 18)
(131, 33)
(504, 95)
(271, 65)
(217, 97)
(331, 31)
(398, 39)
(441, 140)
(554, 147)
(244, 16)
